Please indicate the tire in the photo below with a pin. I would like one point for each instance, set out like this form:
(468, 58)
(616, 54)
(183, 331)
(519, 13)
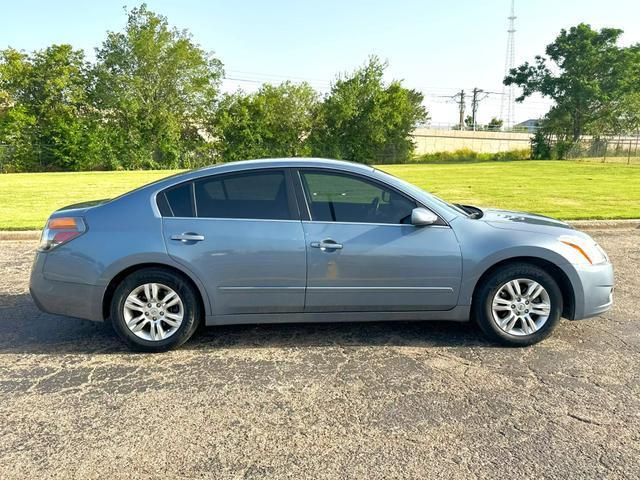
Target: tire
(499, 287)
(156, 326)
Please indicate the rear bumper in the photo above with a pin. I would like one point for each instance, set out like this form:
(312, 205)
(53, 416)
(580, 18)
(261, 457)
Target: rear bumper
(64, 298)
(594, 292)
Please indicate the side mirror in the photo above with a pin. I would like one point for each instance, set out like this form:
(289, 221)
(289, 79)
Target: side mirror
(421, 217)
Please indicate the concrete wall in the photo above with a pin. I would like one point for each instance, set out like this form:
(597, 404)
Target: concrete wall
(431, 140)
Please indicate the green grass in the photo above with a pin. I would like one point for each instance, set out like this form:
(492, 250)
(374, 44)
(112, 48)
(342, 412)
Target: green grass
(563, 189)
(27, 199)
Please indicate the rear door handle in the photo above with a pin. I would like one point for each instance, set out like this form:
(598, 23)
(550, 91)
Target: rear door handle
(188, 237)
(326, 244)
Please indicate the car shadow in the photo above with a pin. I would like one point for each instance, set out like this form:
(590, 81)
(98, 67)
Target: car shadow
(24, 329)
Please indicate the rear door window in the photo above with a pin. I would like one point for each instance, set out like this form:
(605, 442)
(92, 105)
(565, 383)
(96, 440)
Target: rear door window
(251, 195)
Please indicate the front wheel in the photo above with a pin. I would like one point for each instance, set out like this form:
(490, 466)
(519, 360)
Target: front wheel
(518, 305)
(154, 310)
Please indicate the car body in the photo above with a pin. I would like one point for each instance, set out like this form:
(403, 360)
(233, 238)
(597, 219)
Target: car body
(314, 250)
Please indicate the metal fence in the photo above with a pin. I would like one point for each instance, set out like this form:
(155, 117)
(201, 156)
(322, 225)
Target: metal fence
(606, 148)
(520, 128)
(614, 149)
(428, 140)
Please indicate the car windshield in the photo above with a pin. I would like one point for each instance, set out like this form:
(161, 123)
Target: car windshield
(432, 197)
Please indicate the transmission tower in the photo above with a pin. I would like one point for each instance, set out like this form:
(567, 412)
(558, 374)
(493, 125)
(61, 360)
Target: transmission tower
(507, 104)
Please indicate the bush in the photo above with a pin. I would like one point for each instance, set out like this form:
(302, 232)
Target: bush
(540, 146)
(562, 149)
(469, 156)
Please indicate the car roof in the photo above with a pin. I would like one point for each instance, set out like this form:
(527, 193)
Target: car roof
(284, 162)
(245, 165)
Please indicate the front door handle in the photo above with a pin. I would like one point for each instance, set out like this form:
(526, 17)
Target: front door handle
(326, 244)
(188, 237)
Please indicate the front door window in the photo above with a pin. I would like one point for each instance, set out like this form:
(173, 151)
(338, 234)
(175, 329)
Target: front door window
(334, 197)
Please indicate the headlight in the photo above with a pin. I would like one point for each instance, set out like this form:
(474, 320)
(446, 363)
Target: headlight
(582, 251)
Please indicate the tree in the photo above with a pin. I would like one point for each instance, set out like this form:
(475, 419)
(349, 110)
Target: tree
(44, 114)
(156, 90)
(494, 125)
(468, 122)
(363, 119)
(586, 73)
(273, 122)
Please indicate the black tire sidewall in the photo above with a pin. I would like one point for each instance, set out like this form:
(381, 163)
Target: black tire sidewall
(483, 303)
(192, 313)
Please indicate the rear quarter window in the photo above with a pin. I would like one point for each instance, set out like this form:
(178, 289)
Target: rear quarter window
(177, 201)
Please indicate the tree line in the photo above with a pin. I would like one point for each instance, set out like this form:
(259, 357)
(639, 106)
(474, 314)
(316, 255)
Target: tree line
(152, 99)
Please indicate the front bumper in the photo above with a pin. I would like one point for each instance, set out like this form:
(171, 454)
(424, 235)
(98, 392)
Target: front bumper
(593, 290)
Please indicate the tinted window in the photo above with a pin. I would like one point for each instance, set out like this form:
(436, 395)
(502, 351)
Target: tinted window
(260, 195)
(344, 198)
(163, 205)
(180, 200)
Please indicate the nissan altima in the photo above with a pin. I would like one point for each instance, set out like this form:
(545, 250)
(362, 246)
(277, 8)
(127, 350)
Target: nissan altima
(310, 240)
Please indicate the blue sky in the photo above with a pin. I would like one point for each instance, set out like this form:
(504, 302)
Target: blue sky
(436, 47)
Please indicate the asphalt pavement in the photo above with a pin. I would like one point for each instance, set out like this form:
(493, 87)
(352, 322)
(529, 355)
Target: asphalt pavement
(370, 400)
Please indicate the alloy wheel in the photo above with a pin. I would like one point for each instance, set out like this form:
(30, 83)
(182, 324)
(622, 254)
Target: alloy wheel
(521, 307)
(153, 311)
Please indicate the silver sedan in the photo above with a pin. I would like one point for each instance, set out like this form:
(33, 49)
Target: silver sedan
(311, 240)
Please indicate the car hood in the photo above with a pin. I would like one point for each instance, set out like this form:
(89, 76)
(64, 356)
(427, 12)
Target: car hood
(509, 220)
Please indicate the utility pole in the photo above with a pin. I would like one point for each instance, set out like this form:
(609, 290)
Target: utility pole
(474, 106)
(475, 102)
(460, 97)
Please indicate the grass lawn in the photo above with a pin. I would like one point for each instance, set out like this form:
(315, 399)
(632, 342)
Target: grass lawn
(563, 189)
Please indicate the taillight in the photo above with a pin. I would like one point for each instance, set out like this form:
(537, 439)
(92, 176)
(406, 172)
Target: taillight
(61, 230)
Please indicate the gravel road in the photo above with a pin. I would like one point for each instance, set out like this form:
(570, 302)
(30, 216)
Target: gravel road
(381, 400)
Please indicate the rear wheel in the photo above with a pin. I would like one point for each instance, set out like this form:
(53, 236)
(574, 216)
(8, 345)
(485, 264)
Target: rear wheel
(518, 305)
(155, 310)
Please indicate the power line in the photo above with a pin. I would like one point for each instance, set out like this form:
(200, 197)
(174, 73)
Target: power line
(426, 90)
(274, 75)
(531, 107)
(508, 93)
